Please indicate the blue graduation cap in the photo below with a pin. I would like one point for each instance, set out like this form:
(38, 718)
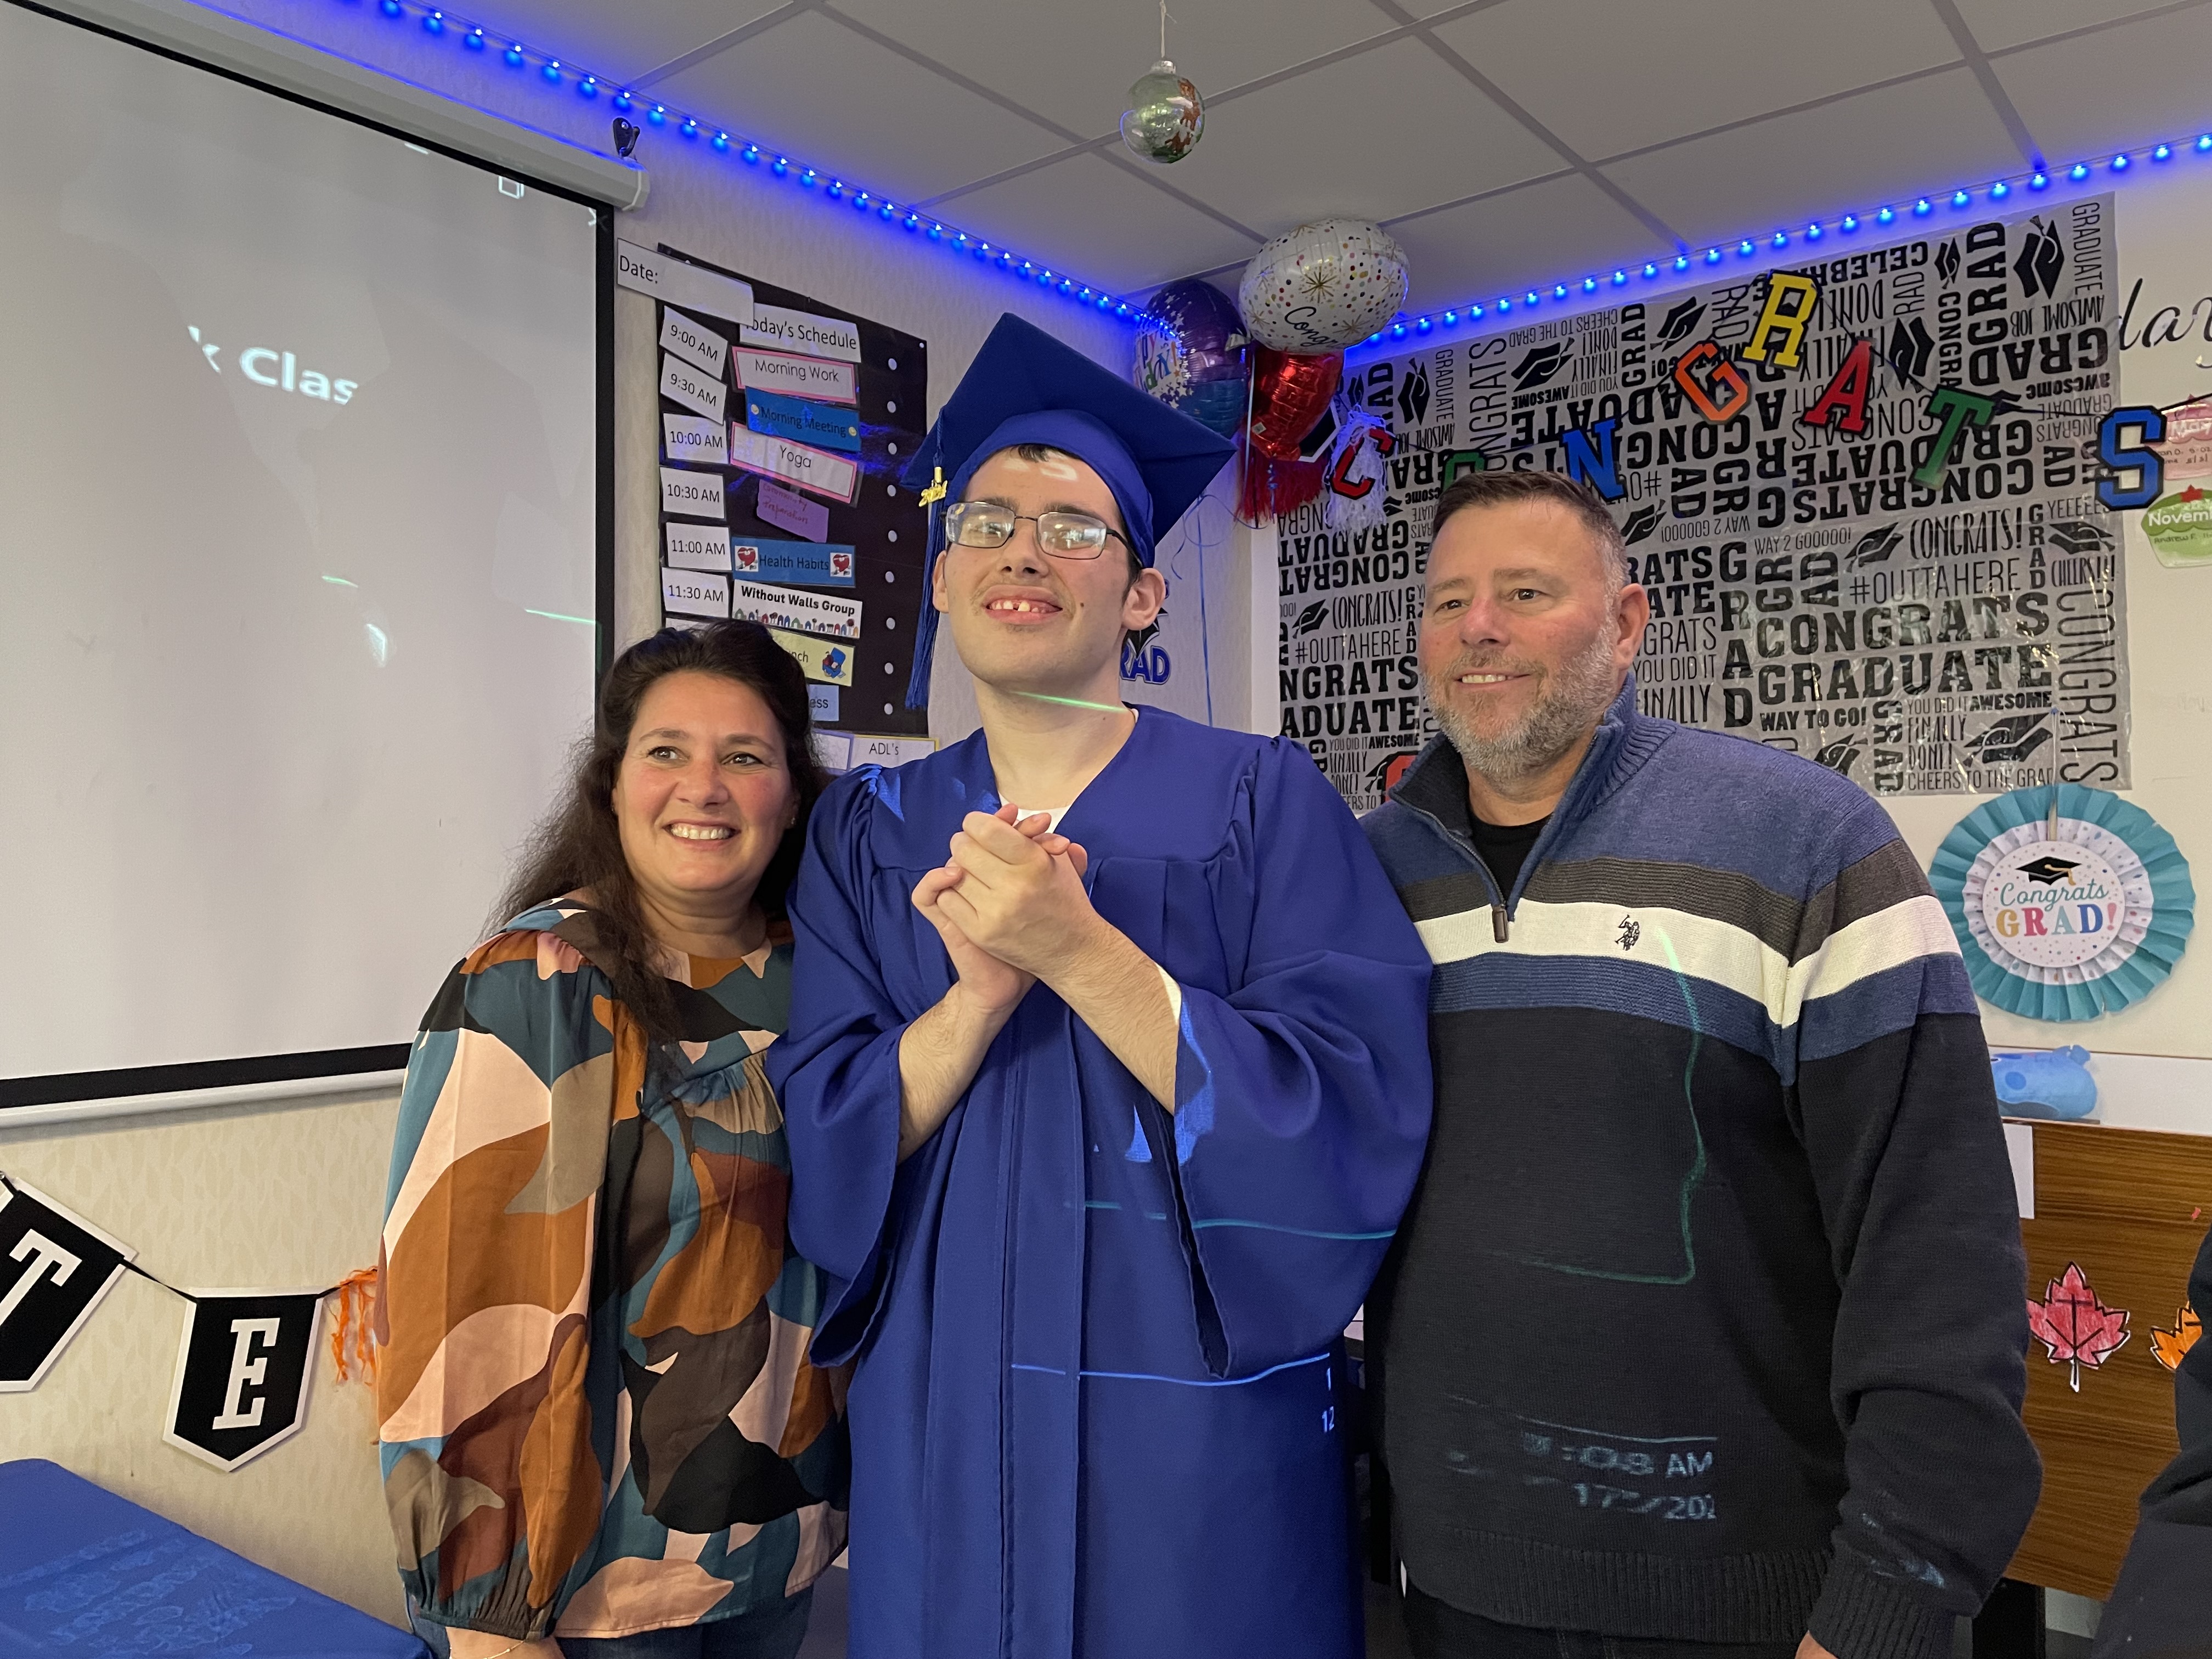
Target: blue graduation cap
(1026, 388)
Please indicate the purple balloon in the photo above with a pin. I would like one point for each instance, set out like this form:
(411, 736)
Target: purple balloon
(1199, 362)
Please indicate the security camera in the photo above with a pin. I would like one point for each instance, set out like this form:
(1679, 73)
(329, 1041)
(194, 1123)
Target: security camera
(625, 138)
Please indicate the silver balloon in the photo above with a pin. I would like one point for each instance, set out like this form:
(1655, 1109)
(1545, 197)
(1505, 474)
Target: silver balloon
(1164, 117)
(1323, 287)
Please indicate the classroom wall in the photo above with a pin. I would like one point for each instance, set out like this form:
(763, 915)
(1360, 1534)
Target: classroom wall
(290, 1193)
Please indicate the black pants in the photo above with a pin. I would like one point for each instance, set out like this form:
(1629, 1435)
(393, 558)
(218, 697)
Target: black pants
(1438, 1630)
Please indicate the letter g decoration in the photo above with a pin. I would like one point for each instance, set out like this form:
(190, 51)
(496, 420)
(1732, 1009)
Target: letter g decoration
(1724, 379)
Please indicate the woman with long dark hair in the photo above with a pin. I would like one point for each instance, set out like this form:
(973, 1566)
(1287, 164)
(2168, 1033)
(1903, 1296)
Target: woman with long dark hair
(601, 1436)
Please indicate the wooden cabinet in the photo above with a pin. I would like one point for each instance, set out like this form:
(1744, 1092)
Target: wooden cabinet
(2129, 1208)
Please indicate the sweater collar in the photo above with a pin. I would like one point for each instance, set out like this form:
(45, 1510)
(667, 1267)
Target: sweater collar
(1435, 784)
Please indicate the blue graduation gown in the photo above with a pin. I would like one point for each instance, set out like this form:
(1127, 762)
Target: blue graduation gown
(1095, 1405)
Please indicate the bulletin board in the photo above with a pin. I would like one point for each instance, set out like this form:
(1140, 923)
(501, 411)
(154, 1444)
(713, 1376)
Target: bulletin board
(785, 423)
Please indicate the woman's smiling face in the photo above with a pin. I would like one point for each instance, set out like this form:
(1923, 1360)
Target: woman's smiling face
(703, 796)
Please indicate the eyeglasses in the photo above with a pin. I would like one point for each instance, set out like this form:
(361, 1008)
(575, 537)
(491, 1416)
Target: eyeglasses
(1063, 535)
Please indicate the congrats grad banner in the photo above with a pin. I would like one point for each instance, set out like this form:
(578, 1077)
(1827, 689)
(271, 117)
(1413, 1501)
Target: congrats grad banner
(1863, 494)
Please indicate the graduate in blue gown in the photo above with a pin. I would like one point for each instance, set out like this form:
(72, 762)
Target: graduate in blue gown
(1107, 1079)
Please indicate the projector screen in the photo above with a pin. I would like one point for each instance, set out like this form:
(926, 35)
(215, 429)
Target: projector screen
(301, 564)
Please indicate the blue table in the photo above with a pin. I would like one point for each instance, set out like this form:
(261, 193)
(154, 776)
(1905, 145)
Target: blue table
(83, 1572)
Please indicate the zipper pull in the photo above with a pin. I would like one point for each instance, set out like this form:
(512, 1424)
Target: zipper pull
(1497, 922)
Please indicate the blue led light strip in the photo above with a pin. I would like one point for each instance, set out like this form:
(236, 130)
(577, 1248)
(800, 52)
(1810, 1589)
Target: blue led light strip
(1687, 259)
(660, 117)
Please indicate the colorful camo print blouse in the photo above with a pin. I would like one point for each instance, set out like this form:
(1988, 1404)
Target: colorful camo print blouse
(596, 1413)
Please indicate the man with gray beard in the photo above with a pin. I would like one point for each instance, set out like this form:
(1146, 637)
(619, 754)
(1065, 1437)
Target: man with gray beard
(1703, 1335)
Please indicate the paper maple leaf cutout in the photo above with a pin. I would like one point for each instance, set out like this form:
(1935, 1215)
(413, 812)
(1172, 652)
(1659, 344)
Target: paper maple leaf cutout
(2077, 1329)
(2170, 1346)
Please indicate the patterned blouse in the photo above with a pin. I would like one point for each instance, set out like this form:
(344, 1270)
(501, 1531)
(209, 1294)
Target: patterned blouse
(596, 1410)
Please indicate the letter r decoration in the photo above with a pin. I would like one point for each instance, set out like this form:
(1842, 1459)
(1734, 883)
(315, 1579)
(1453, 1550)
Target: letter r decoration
(1790, 300)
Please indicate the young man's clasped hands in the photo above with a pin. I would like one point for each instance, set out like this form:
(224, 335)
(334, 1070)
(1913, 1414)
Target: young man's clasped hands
(1010, 904)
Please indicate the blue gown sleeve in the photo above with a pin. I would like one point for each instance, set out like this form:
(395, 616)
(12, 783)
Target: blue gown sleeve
(835, 1069)
(1304, 1096)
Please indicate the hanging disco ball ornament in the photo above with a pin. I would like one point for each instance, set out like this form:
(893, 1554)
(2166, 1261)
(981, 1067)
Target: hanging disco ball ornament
(1191, 355)
(1323, 287)
(1164, 117)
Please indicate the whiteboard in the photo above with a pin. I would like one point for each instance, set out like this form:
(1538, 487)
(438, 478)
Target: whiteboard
(299, 448)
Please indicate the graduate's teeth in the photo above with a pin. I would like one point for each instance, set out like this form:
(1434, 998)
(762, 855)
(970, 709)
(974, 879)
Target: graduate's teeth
(701, 831)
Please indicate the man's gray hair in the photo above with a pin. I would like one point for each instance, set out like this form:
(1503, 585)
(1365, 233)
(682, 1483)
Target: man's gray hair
(1471, 490)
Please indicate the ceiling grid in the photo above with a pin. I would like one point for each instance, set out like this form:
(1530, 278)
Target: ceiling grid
(1506, 143)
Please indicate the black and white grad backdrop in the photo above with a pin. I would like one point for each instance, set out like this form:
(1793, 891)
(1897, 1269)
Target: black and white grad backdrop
(1863, 494)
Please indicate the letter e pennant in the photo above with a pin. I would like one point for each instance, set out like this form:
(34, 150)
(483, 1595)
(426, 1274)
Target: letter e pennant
(243, 1366)
(54, 1270)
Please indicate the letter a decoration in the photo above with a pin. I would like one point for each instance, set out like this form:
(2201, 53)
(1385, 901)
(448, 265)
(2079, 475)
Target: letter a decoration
(2068, 903)
(2073, 1327)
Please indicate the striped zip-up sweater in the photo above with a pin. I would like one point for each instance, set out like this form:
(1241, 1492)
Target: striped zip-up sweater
(1706, 1322)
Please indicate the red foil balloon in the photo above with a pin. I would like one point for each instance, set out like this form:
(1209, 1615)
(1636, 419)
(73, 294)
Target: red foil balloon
(1289, 397)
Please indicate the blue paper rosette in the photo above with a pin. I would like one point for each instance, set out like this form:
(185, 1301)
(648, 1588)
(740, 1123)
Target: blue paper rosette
(2068, 903)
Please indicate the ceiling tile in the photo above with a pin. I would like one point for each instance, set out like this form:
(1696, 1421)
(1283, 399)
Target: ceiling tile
(1854, 154)
(1427, 8)
(1106, 225)
(1556, 230)
(1076, 71)
(843, 103)
(1999, 23)
(1664, 72)
(616, 42)
(1374, 136)
(2124, 85)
